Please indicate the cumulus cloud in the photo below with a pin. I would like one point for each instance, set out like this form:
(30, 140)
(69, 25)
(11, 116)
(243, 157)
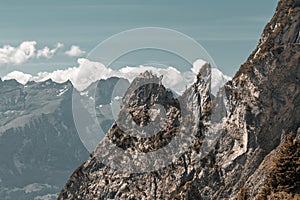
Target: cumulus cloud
(48, 53)
(88, 72)
(75, 51)
(25, 51)
(17, 55)
(197, 66)
(19, 76)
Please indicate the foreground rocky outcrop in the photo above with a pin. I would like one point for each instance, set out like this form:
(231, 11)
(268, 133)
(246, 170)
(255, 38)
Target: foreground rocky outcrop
(237, 135)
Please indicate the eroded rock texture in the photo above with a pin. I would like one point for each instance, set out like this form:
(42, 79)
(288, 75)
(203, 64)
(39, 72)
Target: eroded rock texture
(250, 117)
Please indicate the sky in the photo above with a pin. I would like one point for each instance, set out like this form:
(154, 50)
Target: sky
(43, 36)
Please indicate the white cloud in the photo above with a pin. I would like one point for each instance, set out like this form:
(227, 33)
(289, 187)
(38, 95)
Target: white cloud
(88, 72)
(197, 66)
(75, 51)
(172, 78)
(25, 51)
(19, 76)
(17, 55)
(48, 53)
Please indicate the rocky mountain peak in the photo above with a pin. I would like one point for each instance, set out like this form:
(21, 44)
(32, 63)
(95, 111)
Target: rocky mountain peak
(144, 93)
(147, 108)
(236, 134)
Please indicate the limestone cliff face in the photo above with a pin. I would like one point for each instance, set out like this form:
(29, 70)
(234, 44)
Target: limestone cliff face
(247, 121)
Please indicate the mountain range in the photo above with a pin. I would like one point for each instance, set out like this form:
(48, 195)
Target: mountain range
(241, 141)
(39, 143)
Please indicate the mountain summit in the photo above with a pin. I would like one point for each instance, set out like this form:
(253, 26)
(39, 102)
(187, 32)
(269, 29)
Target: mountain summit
(254, 120)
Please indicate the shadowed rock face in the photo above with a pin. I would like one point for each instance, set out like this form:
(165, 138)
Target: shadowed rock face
(251, 114)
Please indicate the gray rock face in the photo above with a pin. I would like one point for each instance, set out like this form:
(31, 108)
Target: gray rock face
(39, 144)
(247, 120)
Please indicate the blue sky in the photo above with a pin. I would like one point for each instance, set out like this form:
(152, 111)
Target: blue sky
(228, 30)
